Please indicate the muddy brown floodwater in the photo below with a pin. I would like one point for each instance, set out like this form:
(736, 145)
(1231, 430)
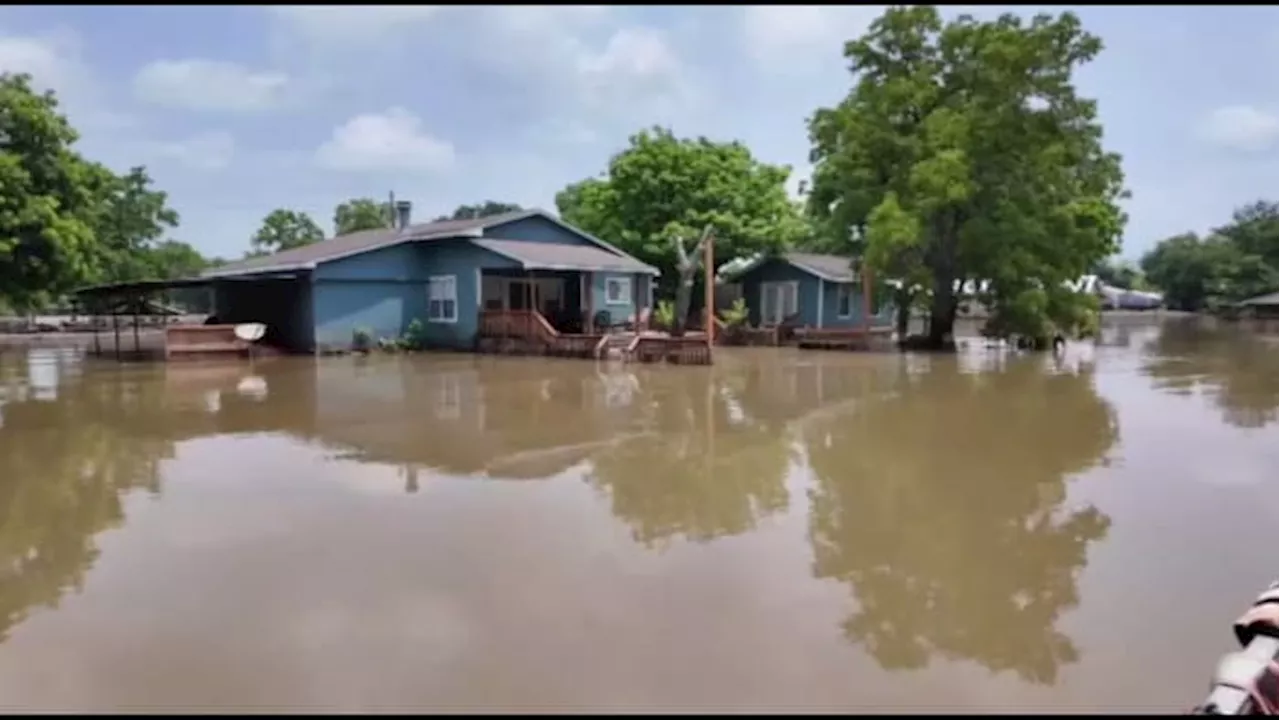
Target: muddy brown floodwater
(787, 530)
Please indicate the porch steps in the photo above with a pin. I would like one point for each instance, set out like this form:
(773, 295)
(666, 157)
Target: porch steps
(615, 346)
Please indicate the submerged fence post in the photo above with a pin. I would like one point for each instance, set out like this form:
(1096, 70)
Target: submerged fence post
(115, 327)
(137, 341)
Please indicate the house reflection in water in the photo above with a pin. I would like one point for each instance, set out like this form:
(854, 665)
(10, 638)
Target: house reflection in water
(464, 416)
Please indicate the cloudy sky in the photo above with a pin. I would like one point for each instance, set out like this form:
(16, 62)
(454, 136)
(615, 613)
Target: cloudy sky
(239, 110)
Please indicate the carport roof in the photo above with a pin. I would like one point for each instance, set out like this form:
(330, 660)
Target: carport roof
(553, 256)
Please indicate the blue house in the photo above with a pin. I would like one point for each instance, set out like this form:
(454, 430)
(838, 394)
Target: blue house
(443, 274)
(806, 290)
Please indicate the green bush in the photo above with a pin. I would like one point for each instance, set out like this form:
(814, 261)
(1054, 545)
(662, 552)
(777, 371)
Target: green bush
(362, 340)
(736, 315)
(415, 336)
(664, 316)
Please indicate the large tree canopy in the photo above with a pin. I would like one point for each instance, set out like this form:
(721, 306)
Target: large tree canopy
(359, 214)
(964, 152)
(48, 198)
(130, 219)
(66, 221)
(1234, 263)
(284, 230)
(663, 187)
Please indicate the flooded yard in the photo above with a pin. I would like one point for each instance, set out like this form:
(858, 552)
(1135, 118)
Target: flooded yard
(786, 530)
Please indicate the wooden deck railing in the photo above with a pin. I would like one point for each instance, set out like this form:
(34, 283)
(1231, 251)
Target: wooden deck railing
(523, 324)
(535, 333)
(527, 331)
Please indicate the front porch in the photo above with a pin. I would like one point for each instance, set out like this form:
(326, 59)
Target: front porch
(576, 314)
(573, 302)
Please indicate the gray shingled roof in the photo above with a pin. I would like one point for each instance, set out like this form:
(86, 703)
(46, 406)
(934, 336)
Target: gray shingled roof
(1268, 299)
(827, 267)
(833, 268)
(309, 256)
(549, 256)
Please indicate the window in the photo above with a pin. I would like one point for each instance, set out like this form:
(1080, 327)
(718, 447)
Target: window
(844, 300)
(778, 301)
(442, 299)
(617, 291)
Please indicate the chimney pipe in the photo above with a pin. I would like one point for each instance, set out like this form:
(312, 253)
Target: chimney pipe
(404, 213)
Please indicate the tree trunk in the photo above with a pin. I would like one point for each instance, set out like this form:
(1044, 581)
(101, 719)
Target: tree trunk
(684, 295)
(687, 264)
(902, 300)
(942, 311)
(941, 320)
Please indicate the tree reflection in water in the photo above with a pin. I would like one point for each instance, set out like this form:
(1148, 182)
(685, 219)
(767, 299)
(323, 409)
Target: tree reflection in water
(942, 509)
(1233, 366)
(706, 469)
(65, 464)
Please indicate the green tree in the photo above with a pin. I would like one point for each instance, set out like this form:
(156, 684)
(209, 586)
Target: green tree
(284, 230)
(488, 208)
(1235, 262)
(1255, 230)
(174, 259)
(360, 214)
(48, 198)
(662, 188)
(975, 132)
(130, 218)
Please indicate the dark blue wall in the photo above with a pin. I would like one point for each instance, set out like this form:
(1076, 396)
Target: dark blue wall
(284, 306)
(778, 270)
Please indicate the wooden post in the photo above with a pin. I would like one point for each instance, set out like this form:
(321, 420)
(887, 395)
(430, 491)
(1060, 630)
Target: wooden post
(866, 300)
(709, 291)
(97, 342)
(115, 326)
(137, 341)
(587, 285)
(528, 308)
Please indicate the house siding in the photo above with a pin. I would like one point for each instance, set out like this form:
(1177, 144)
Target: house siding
(617, 311)
(777, 270)
(385, 290)
(536, 229)
(831, 307)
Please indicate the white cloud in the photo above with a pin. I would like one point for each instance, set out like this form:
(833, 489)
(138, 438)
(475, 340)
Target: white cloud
(348, 23)
(209, 85)
(635, 69)
(206, 151)
(635, 53)
(394, 140)
(53, 60)
(1242, 127)
(792, 34)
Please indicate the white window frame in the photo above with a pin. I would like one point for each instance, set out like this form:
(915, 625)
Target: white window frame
(844, 290)
(793, 292)
(432, 282)
(624, 294)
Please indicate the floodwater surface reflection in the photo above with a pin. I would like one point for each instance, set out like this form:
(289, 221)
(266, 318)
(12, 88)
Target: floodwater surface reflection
(786, 530)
